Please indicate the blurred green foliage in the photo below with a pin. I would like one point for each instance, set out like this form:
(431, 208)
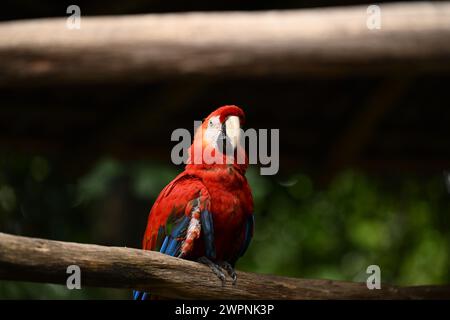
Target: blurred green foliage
(334, 232)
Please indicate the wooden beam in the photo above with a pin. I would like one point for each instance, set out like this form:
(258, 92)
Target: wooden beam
(39, 260)
(139, 48)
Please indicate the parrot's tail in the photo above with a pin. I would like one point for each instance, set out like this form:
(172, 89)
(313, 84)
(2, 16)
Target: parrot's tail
(140, 295)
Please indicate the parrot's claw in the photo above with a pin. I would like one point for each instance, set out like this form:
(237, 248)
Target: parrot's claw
(230, 270)
(214, 267)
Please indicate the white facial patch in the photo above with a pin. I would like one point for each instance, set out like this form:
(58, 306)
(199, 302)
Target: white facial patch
(213, 131)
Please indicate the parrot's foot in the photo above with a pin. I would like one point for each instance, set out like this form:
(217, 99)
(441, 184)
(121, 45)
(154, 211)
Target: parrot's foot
(214, 267)
(230, 270)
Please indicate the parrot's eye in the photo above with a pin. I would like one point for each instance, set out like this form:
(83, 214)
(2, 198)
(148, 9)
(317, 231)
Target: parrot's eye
(210, 123)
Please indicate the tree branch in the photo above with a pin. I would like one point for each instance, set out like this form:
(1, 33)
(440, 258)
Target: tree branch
(413, 36)
(39, 260)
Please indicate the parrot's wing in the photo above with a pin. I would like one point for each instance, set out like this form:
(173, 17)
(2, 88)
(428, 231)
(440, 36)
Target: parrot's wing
(176, 220)
(177, 217)
(247, 235)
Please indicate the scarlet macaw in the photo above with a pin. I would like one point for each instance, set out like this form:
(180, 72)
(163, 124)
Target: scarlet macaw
(206, 212)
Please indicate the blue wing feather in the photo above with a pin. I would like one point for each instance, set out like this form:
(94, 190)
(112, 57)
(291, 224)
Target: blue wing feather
(248, 234)
(176, 237)
(164, 245)
(208, 234)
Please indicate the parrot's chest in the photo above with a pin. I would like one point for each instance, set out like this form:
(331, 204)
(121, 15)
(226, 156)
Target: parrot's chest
(230, 209)
(231, 203)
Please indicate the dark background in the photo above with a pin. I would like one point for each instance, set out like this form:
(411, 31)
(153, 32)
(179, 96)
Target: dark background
(362, 174)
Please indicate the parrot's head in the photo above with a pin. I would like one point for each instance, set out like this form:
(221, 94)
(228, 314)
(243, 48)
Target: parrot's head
(222, 127)
(219, 136)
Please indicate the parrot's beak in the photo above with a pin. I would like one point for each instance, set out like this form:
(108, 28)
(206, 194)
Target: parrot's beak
(233, 130)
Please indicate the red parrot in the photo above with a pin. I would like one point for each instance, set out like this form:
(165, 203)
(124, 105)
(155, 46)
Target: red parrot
(206, 213)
